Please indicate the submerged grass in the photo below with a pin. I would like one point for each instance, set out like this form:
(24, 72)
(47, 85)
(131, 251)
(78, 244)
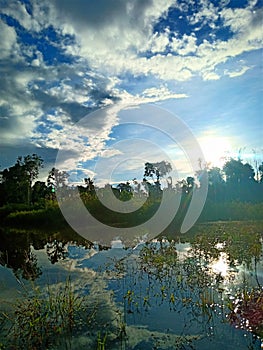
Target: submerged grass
(46, 319)
(75, 315)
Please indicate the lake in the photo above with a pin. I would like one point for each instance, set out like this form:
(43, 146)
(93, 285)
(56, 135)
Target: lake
(201, 290)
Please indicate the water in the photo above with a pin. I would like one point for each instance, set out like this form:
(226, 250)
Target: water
(193, 292)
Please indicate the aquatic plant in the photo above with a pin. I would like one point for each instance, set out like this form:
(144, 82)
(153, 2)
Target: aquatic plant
(101, 342)
(246, 311)
(87, 313)
(47, 318)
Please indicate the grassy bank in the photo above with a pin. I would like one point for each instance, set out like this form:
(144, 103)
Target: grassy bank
(39, 218)
(51, 218)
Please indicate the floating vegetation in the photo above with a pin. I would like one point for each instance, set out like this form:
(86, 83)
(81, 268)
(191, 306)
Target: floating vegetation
(164, 294)
(246, 311)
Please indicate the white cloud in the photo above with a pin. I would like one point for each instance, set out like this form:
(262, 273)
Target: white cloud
(110, 34)
(185, 46)
(113, 47)
(109, 153)
(111, 39)
(20, 110)
(113, 35)
(19, 129)
(210, 76)
(8, 41)
(237, 73)
(88, 139)
(237, 19)
(67, 93)
(161, 93)
(38, 62)
(159, 41)
(17, 10)
(207, 15)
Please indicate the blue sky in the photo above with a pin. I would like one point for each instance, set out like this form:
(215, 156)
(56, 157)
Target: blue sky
(64, 61)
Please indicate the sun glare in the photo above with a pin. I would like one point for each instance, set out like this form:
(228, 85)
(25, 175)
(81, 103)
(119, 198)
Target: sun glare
(215, 149)
(221, 265)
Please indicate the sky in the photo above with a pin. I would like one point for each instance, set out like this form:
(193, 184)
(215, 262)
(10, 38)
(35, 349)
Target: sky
(98, 88)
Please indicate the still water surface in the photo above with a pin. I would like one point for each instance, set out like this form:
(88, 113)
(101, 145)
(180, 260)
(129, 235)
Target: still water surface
(202, 291)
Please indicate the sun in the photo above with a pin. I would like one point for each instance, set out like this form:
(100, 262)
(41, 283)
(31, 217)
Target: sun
(215, 149)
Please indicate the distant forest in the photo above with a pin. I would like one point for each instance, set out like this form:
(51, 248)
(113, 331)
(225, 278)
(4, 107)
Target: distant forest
(235, 192)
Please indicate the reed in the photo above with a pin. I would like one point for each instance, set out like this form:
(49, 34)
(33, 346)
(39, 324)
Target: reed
(47, 319)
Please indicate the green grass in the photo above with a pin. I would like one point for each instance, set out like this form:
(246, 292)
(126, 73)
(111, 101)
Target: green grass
(36, 218)
(46, 319)
(51, 216)
(231, 211)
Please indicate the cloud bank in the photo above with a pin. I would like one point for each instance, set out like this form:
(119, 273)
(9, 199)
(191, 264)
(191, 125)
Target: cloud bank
(61, 60)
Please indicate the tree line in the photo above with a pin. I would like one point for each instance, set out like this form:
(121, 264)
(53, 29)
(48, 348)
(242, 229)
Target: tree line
(237, 181)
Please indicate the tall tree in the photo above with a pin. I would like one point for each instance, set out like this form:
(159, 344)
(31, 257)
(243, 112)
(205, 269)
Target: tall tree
(32, 164)
(57, 179)
(157, 170)
(216, 184)
(17, 180)
(240, 181)
(238, 172)
(186, 186)
(215, 176)
(40, 191)
(89, 184)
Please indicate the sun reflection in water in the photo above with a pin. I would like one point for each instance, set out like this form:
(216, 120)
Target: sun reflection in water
(220, 265)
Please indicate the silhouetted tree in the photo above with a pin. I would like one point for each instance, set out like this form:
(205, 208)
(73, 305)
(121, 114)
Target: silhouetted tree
(157, 170)
(216, 184)
(40, 191)
(89, 184)
(17, 180)
(57, 179)
(240, 181)
(32, 164)
(238, 172)
(56, 251)
(185, 186)
(14, 187)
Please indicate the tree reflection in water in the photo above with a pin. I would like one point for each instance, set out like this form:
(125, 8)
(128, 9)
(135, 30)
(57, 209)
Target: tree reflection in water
(17, 250)
(16, 253)
(203, 281)
(56, 251)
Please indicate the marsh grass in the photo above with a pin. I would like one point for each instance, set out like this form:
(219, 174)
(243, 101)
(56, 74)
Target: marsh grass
(74, 314)
(101, 341)
(46, 319)
(44, 217)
